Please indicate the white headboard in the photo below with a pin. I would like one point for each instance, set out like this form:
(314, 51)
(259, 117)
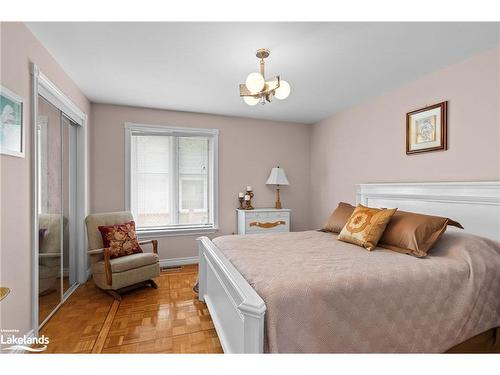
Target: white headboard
(476, 205)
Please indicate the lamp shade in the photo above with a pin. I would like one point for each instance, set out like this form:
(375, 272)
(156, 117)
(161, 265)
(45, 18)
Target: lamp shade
(255, 82)
(277, 177)
(283, 91)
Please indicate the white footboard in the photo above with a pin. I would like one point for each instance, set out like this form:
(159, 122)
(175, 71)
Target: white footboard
(236, 309)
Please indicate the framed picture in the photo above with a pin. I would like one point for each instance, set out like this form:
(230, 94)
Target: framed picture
(11, 123)
(426, 129)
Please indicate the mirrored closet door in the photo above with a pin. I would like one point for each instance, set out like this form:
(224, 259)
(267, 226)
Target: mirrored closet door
(57, 188)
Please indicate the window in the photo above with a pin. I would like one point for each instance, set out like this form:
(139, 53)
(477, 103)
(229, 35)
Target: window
(171, 179)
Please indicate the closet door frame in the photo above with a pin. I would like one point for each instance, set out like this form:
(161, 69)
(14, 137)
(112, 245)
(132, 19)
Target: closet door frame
(41, 85)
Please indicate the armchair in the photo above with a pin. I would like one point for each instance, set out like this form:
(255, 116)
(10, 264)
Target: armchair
(49, 257)
(114, 275)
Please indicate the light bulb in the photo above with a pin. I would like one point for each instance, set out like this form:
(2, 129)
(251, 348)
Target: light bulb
(250, 100)
(283, 91)
(255, 82)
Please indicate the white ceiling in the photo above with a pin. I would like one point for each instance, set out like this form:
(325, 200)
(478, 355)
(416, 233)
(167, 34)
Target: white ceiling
(197, 67)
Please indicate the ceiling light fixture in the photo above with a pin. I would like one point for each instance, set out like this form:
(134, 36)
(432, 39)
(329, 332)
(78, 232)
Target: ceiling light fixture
(257, 90)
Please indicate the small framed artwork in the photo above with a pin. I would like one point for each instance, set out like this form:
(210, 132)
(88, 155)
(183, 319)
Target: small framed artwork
(11, 123)
(426, 129)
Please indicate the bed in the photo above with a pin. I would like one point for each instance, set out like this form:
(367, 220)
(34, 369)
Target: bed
(307, 292)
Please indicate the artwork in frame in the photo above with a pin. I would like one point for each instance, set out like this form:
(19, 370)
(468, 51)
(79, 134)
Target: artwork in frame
(426, 129)
(11, 123)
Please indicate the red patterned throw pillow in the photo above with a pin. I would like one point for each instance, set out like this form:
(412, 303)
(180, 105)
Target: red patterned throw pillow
(121, 239)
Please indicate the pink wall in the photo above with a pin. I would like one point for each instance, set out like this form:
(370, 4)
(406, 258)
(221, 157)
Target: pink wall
(18, 48)
(248, 149)
(366, 143)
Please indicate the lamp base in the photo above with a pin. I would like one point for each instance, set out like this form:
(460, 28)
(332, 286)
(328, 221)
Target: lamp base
(278, 202)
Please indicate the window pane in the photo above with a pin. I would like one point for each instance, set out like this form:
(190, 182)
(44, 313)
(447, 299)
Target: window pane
(193, 180)
(192, 194)
(152, 202)
(151, 191)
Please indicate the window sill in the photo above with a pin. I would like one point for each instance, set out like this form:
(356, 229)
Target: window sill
(155, 233)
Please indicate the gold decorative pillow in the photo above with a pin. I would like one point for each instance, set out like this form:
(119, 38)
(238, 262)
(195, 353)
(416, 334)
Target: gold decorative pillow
(365, 226)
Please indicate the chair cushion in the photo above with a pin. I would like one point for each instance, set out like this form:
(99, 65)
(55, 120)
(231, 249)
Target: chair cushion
(127, 262)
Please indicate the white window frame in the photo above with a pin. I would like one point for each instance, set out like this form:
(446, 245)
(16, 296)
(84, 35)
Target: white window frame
(148, 129)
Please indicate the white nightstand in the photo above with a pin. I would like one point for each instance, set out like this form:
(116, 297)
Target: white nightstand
(263, 220)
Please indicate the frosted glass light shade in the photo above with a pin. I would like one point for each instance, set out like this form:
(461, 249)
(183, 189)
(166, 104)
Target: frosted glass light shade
(277, 177)
(283, 91)
(250, 100)
(255, 82)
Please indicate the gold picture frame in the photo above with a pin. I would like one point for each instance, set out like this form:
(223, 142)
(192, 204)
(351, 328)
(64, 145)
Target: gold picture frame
(426, 129)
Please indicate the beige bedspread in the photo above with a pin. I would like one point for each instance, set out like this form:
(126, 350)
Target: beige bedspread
(324, 295)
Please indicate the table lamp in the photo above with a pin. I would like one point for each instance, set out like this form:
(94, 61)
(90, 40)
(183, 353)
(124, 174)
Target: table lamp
(277, 177)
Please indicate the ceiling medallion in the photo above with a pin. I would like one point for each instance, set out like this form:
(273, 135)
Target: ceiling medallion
(257, 90)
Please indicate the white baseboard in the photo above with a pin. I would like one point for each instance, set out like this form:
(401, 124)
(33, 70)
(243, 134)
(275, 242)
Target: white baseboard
(178, 261)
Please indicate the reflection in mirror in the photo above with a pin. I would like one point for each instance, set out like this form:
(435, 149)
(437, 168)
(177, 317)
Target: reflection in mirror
(50, 219)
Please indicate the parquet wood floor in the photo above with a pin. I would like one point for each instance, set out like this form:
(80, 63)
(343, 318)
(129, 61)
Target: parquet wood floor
(49, 300)
(169, 319)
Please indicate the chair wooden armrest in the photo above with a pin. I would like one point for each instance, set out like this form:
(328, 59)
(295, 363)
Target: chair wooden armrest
(107, 264)
(95, 251)
(152, 242)
(49, 255)
(107, 267)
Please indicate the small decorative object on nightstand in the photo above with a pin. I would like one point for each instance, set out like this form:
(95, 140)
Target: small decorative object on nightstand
(247, 198)
(241, 198)
(263, 220)
(277, 177)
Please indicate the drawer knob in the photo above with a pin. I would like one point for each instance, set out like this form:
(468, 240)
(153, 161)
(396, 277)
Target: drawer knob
(267, 225)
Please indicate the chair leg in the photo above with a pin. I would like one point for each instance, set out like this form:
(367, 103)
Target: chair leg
(152, 284)
(114, 294)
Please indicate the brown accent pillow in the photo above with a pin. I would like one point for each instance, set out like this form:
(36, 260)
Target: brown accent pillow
(121, 239)
(365, 226)
(413, 233)
(338, 218)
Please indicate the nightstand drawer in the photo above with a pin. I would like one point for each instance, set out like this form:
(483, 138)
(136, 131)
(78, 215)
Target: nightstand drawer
(262, 226)
(263, 221)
